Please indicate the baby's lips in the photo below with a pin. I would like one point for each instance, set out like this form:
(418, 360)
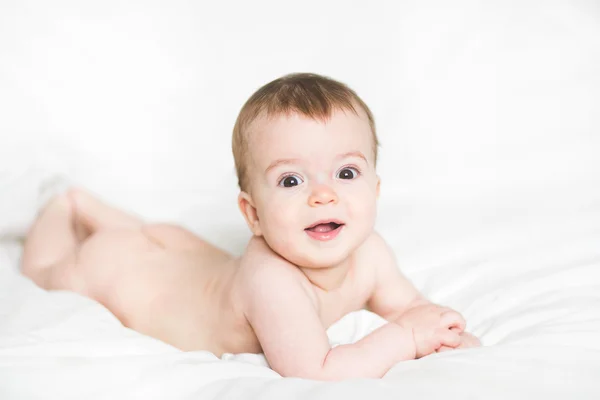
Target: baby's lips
(324, 222)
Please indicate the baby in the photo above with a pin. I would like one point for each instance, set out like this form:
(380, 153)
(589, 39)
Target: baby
(305, 149)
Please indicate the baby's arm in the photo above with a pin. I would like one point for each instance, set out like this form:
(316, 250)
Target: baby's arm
(286, 322)
(393, 293)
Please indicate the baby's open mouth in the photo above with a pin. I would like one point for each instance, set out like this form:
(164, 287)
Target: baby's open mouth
(323, 227)
(324, 230)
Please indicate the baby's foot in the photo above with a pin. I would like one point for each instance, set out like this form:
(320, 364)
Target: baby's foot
(59, 205)
(23, 196)
(54, 187)
(53, 221)
(75, 196)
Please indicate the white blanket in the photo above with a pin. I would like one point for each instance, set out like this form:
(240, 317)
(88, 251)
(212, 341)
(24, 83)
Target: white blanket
(488, 115)
(540, 331)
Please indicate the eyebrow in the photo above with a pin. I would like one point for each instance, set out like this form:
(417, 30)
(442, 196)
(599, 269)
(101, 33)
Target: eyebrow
(283, 161)
(356, 154)
(288, 161)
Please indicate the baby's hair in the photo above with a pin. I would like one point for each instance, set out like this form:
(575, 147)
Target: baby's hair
(310, 95)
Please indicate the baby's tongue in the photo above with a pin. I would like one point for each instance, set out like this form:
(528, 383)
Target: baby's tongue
(323, 227)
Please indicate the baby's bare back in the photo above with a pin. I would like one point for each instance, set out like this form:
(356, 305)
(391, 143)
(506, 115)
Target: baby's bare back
(167, 283)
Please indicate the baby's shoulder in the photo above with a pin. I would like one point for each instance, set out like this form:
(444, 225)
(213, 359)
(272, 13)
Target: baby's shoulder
(260, 268)
(370, 256)
(260, 260)
(372, 248)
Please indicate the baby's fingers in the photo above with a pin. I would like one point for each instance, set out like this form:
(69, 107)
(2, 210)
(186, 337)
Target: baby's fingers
(452, 319)
(469, 340)
(449, 338)
(444, 348)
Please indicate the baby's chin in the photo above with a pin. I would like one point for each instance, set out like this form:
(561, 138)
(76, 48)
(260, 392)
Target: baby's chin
(316, 258)
(307, 251)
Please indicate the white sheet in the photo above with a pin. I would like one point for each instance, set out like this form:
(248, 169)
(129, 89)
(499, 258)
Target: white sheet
(488, 115)
(542, 342)
(540, 330)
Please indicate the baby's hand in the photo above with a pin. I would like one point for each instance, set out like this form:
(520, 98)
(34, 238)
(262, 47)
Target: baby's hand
(433, 326)
(467, 340)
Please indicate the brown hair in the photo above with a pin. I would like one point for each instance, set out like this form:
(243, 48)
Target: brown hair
(307, 94)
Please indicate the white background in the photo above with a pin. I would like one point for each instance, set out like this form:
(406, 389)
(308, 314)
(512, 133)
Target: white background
(488, 112)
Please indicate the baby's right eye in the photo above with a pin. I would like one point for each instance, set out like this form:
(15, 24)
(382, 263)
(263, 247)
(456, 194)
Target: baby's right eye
(290, 181)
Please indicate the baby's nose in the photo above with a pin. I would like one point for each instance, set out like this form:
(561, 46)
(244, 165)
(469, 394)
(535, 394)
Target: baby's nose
(322, 195)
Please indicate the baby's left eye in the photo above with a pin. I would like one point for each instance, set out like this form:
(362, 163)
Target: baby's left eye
(348, 173)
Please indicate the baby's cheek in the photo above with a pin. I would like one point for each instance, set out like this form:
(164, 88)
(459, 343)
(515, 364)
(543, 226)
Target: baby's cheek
(362, 208)
(280, 223)
(282, 216)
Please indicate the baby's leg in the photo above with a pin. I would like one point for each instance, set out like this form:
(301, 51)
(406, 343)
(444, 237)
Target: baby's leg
(53, 244)
(51, 247)
(92, 214)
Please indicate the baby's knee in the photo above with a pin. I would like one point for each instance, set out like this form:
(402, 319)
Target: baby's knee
(63, 274)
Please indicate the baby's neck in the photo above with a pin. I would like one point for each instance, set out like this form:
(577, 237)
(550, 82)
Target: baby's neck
(331, 278)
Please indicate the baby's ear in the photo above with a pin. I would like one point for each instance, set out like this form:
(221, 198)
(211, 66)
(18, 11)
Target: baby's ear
(246, 205)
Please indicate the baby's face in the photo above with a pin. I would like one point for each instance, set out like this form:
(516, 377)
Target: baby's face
(314, 186)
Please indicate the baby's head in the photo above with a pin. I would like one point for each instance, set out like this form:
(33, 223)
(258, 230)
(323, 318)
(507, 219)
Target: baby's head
(305, 150)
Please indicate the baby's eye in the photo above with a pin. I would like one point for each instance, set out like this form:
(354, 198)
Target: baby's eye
(348, 173)
(290, 181)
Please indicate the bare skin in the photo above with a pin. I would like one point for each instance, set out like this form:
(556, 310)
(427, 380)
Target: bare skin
(160, 280)
(313, 258)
